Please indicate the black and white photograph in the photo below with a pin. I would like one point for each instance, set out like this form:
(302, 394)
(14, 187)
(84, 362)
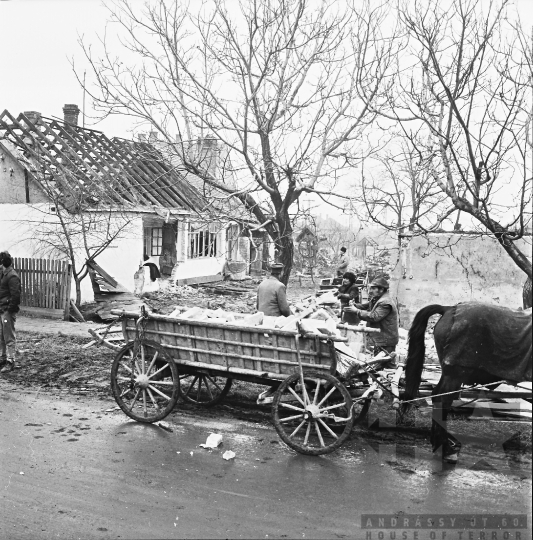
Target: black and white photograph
(266, 269)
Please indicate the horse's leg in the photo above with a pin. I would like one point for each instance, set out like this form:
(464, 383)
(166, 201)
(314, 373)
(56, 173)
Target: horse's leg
(449, 382)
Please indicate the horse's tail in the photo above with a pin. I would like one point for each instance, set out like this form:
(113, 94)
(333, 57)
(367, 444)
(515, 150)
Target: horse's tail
(417, 348)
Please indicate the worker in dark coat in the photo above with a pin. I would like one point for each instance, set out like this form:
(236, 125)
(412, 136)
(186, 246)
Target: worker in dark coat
(347, 292)
(272, 294)
(380, 312)
(9, 307)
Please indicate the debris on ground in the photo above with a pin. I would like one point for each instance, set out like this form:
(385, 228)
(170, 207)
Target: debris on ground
(228, 454)
(213, 441)
(165, 425)
(230, 297)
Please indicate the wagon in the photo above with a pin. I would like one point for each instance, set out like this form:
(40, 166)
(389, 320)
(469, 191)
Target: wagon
(314, 407)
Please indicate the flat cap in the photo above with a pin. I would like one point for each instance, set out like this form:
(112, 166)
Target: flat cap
(380, 282)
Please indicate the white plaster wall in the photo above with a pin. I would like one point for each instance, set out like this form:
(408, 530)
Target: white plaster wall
(455, 268)
(17, 223)
(190, 268)
(121, 259)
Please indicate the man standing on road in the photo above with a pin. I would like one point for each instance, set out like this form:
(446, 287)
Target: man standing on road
(272, 294)
(9, 306)
(344, 261)
(380, 312)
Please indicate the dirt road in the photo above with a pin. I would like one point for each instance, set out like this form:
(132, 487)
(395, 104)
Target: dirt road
(72, 470)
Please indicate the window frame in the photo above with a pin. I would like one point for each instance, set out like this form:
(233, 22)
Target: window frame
(202, 244)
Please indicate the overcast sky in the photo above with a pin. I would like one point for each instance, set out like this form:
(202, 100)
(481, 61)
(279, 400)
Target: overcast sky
(37, 39)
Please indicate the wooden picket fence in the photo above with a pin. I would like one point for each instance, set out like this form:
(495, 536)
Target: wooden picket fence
(45, 286)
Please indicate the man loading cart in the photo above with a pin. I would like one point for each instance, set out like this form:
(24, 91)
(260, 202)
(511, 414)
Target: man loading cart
(379, 312)
(272, 294)
(347, 292)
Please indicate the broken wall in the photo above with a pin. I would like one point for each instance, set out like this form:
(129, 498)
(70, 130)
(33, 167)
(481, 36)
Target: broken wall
(16, 185)
(450, 268)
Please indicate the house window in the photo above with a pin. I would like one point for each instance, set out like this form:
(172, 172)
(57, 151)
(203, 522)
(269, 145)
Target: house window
(156, 241)
(202, 243)
(153, 241)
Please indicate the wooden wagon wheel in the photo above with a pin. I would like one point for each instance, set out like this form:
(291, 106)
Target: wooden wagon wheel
(203, 388)
(144, 381)
(307, 418)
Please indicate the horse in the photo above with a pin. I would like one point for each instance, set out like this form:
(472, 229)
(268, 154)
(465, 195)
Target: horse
(476, 344)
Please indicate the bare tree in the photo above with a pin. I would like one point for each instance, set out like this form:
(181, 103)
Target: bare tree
(403, 194)
(289, 86)
(75, 228)
(465, 78)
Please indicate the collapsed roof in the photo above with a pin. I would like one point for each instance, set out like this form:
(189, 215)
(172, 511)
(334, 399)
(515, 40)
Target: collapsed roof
(83, 164)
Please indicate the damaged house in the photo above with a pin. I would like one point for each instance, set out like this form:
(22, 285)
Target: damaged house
(123, 199)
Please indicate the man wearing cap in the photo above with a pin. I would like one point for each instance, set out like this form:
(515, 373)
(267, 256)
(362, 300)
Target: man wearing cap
(9, 306)
(380, 312)
(344, 261)
(272, 294)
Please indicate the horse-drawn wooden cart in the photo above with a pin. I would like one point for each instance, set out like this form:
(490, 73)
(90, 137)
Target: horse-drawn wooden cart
(314, 408)
(318, 396)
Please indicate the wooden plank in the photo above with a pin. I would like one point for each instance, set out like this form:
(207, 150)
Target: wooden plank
(265, 362)
(241, 343)
(110, 280)
(77, 312)
(43, 312)
(201, 279)
(34, 263)
(40, 266)
(103, 342)
(68, 281)
(192, 322)
(28, 284)
(61, 284)
(49, 280)
(57, 281)
(44, 279)
(35, 282)
(53, 281)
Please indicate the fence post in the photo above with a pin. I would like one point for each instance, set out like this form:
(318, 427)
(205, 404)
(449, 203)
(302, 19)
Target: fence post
(67, 291)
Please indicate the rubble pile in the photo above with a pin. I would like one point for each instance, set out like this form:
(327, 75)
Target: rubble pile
(241, 299)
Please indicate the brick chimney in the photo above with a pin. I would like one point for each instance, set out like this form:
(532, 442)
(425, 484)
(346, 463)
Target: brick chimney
(71, 113)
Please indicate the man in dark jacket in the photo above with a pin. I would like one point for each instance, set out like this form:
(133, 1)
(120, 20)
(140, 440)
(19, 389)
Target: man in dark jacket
(9, 306)
(380, 312)
(347, 292)
(272, 294)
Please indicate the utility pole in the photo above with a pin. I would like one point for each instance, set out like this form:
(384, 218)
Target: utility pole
(83, 104)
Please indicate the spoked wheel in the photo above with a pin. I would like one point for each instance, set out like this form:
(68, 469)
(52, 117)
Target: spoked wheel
(307, 418)
(145, 386)
(204, 389)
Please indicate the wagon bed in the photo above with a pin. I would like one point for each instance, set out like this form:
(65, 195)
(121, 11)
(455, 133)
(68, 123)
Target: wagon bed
(264, 355)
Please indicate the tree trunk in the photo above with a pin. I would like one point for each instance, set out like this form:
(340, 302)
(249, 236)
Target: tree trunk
(515, 253)
(527, 294)
(285, 247)
(77, 283)
(499, 232)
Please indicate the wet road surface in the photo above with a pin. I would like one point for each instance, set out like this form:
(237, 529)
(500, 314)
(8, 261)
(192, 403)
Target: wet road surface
(72, 470)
